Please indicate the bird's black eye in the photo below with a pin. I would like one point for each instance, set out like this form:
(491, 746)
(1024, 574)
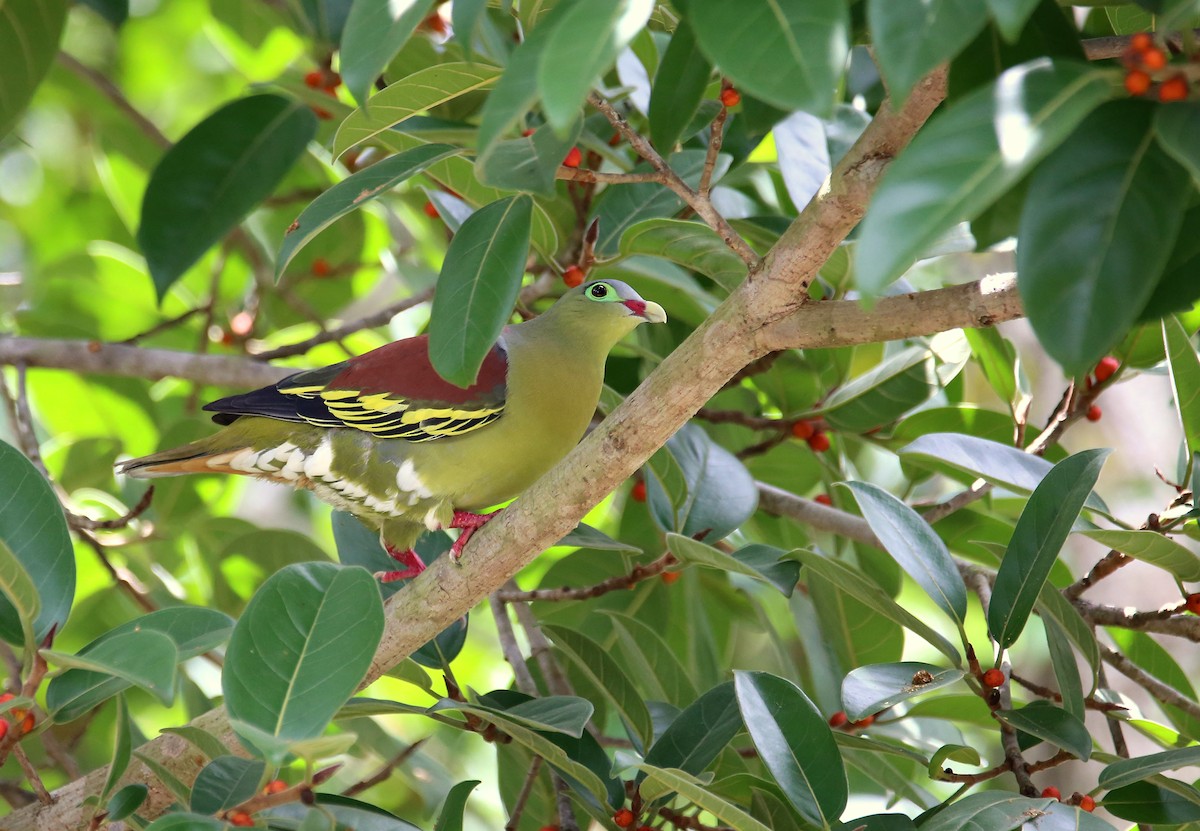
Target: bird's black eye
(599, 291)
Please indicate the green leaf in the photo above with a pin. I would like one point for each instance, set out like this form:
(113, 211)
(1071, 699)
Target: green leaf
(353, 192)
(591, 659)
(530, 162)
(29, 37)
(1146, 802)
(1176, 125)
(1154, 548)
(620, 207)
(870, 689)
(1185, 376)
(692, 245)
(478, 286)
(652, 661)
(451, 817)
(993, 810)
(678, 87)
(1150, 655)
(997, 358)
(699, 793)
(21, 593)
(912, 37)
(192, 629)
(580, 48)
(423, 90)
(300, 649)
(1010, 15)
(143, 658)
(795, 743)
(214, 176)
(225, 782)
(862, 588)
(789, 53)
(1041, 530)
(202, 740)
(114, 11)
(1056, 610)
(1128, 771)
(884, 393)
(325, 18)
(953, 753)
(915, 546)
(567, 714)
(34, 532)
(464, 19)
(122, 749)
(762, 562)
(1081, 306)
(1052, 724)
(878, 822)
(698, 734)
(184, 821)
(125, 801)
(374, 32)
(585, 536)
(966, 157)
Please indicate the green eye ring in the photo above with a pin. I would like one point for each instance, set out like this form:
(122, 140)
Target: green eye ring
(601, 292)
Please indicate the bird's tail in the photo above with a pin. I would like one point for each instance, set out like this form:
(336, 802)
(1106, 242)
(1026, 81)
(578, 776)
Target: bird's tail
(209, 455)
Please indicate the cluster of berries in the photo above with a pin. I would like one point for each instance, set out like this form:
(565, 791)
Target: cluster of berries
(813, 432)
(24, 717)
(1146, 63)
(1085, 802)
(243, 819)
(327, 81)
(1104, 370)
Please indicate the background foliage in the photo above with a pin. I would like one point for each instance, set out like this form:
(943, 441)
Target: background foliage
(869, 586)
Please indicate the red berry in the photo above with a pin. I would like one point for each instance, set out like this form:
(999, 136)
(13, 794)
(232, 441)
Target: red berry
(837, 720)
(804, 429)
(819, 442)
(1137, 82)
(1174, 88)
(27, 724)
(526, 133)
(1086, 803)
(241, 819)
(730, 97)
(823, 498)
(1094, 413)
(314, 79)
(993, 678)
(1154, 58)
(3, 728)
(6, 697)
(321, 113)
(623, 818)
(1193, 603)
(573, 158)
(573, 276)
(435, 23)
(644, 828)
(548, 828)
(227, 338)
(1052, 793)
(864, 723)
(275, 786)
(321, 267)
(430, 210)
(638, 493)
(332, 82)
(1106, 368)
(1141, 42)
(670, 577)
(614, 139)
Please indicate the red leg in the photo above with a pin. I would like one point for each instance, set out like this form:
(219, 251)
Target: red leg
(469, 523)
(408, 557)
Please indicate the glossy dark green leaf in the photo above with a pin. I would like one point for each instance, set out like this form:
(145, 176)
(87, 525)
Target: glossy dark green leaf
(1010, 15)
(697, 792)
(122, 749)
(883, 393)
(478, 286)
(184, 821)
(347, 812)
(788, 53)
(326, 18)
(652, 662)
(696, 487)
(1082, 306)
(993, 810)
(1057, 611)
(1154, 804)
(29, 36)
(192, 629)
(125, 801)
(699, 733)
(915, 546)
(692, 245)
(114, 11)
(1066, 671)
(912, 37)
(1052, 724)
(1127, 771)
(530, 162)
(761, 562)
(795, 743)
(620, 207)
(225, 782)
(1154, 548)
(374, 32)
(878, 822)
(34, 530)
(353, 192)
(1185, 377)
(585, 536)
(421, 91)
(20, 592)
(582, 47)
(298, 652)
(1041, 530)
(679, 84)
(1177, 291)
(1175, 125)
(143, 658)
(214, 176)
(870, 689)
(962, 161)
(451, 816)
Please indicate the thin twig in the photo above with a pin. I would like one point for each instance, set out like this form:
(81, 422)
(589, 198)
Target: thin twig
(1163, 693)
(715, 137)
(578, 174)
(110, 91)
(170, 323)
(621, 581)
(31, 775)
(384, 772)
(1045, 692)
(514, 818)
(510, 647)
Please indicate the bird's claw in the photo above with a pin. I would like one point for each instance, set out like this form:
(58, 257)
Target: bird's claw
(408, 557)
(469, 523)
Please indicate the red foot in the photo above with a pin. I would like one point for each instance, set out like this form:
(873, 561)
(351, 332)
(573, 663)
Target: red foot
(408, 557)
(469, 523)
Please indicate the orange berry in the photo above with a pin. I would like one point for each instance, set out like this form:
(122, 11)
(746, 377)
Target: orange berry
(227, 338)
(1141, 42)
(838, 719)
(670, 577)
(1094, 413)
(321, 267)
(730, 97)
(623, 818)
(6, 697)
(430, 210)
(638, 493)
(864, 723)
(818, 442)
(321, 113)
(1154, 58)
(1106, 368)
(614, 139)
(27, 724)
(435, 23)
(1052, 793)
(823, 498)
(240, 819)
(1137, 82)
(573, 276)
(574, 158)
(993, 678)
(275, 786)
(1174, 88)
(803, 429)
(1193, 603)
(314, 79)
(1086, 803)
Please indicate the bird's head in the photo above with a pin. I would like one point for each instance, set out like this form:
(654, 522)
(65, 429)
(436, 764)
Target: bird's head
(607, 307)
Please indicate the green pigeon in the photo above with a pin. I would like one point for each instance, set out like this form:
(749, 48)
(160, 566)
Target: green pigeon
(385, 438)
